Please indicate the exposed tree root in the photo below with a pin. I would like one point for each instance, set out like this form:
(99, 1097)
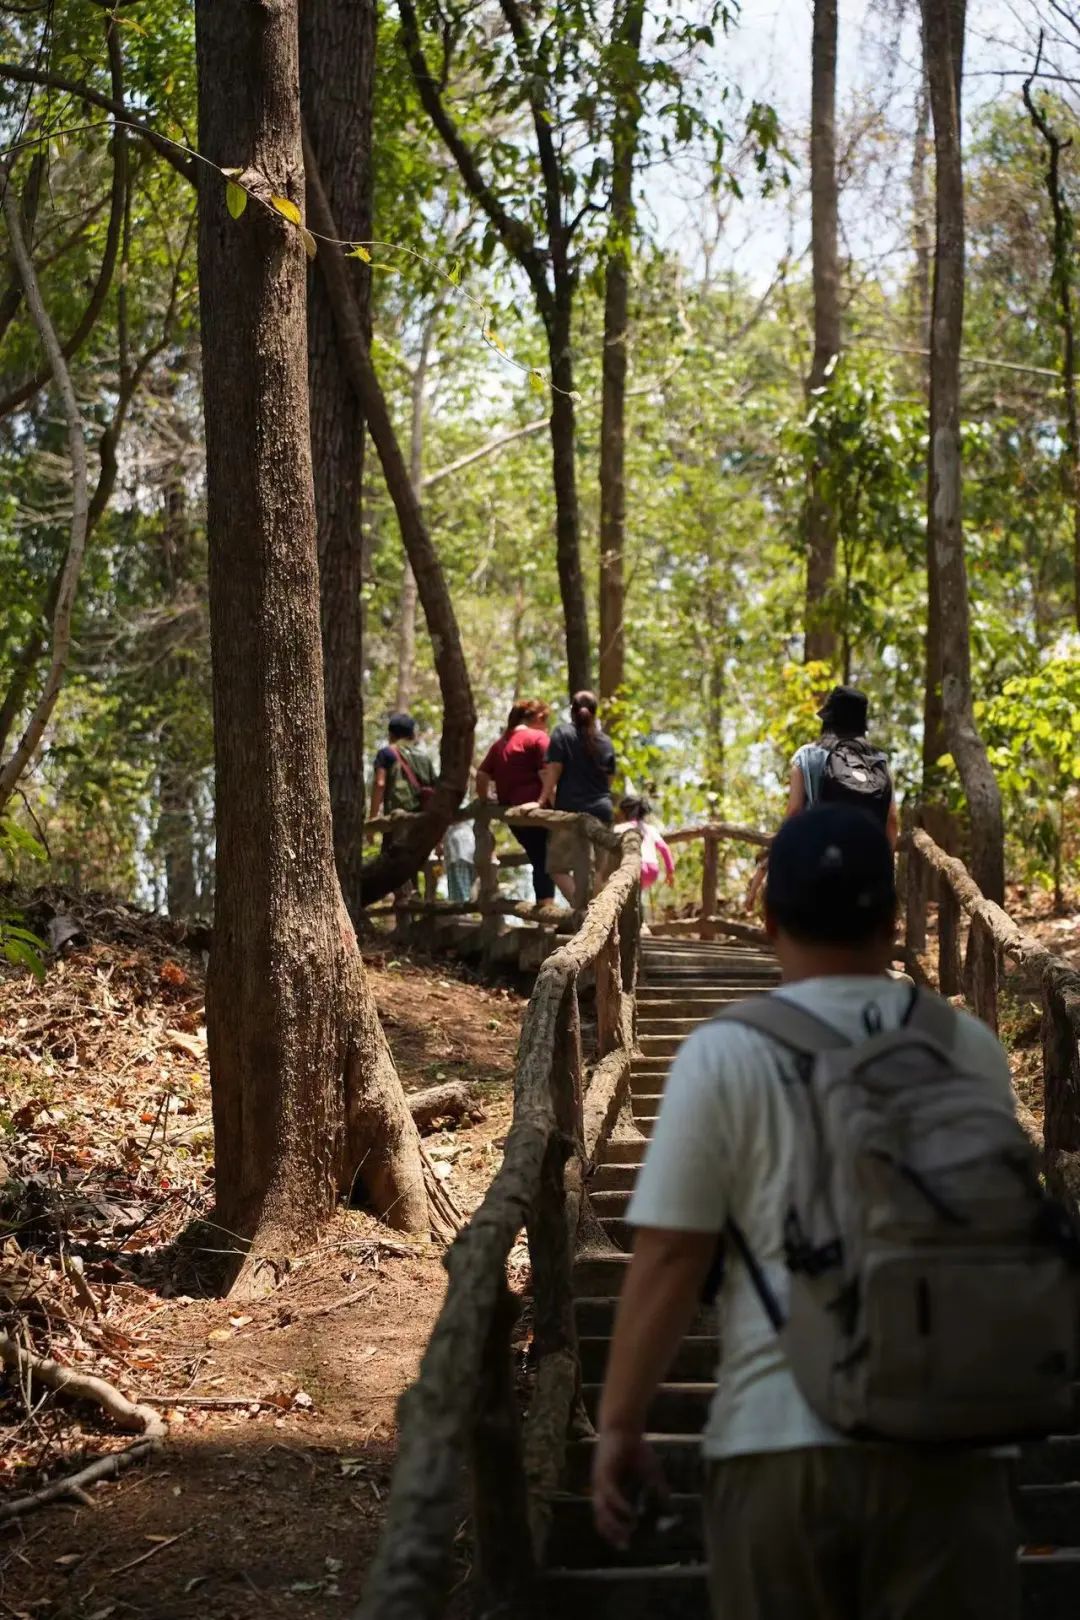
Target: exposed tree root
(78, 1386)
(452, 1101)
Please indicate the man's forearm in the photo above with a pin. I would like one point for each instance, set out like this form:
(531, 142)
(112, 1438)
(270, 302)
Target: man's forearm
(660, 1296)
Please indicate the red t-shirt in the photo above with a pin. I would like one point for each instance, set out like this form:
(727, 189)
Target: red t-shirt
(514, 762)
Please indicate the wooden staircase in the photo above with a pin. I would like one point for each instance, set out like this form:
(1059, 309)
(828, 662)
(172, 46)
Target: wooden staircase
(682, 983)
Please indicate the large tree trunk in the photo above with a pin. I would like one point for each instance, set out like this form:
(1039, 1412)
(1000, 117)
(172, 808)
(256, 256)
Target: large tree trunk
(289, 1017)
(337, 60)
(943, 22)
(820, 638)
(624, 141)
(567, 512)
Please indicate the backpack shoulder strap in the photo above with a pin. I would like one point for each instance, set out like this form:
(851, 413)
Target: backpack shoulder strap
(933, 1016)
(409, 773)
(792, 1026)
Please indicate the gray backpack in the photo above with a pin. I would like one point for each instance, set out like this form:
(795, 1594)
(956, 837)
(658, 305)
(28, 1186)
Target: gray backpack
(934, 1284)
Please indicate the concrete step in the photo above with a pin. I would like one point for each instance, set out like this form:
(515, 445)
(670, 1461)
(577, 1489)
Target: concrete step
(698, 1006)
(609, 1203)
(1051, 1463)
(627, 1151)
(1050, 1587)
(595, 1318)
(576, 1544)
(679, 1027)
(648, 1082)
(695, 1360)
(1048, 1517)
(612, 1178)
(620, 1234)
(678, 1593)
(600, 1276)
(660, 1046)
(675, 1408)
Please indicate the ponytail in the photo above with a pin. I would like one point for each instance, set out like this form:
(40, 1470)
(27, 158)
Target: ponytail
(583, 714)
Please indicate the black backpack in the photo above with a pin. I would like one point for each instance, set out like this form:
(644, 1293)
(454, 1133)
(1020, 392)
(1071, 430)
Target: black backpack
(857, 774)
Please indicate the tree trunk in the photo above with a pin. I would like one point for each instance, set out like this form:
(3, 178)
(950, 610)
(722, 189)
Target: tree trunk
(1062, 278)
(624, 142)
(820, 638)
(943, 22)
(406, 671)
(12, 769)
(288, 1013)
(337, 60)
(567, 513)
(390, 869)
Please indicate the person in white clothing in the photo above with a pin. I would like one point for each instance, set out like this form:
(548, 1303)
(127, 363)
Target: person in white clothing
(801, 1523)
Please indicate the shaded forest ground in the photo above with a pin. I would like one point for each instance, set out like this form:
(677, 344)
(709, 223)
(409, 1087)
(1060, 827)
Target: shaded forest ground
(272, 1503)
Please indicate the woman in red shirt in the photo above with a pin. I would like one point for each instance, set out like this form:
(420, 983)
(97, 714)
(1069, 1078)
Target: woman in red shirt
(513, 763)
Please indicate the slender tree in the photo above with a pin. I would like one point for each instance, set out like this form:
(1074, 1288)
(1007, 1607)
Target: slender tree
(337, 64)
(550, 266)
(820, 638)
(626, 124)
(943, 23)
(1063, 281)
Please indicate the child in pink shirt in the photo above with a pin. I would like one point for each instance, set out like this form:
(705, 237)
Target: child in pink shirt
(654, 850)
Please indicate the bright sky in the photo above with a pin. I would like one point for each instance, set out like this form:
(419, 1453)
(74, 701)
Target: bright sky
(768, 57)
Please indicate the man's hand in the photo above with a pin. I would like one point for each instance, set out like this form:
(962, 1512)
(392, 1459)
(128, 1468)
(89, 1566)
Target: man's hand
(624, 1469)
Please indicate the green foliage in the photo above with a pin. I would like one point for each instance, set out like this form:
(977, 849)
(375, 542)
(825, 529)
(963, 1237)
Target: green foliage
(1033, 726)
(18, 946)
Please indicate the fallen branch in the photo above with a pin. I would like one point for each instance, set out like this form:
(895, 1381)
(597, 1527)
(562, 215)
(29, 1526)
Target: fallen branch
(169, 1541)
(78, 1386)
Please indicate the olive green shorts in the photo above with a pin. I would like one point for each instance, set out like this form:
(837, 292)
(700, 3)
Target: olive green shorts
(862, 1533)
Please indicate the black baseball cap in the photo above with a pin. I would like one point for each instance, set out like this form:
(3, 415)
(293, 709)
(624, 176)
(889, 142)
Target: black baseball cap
(846, 709)
(832, 878)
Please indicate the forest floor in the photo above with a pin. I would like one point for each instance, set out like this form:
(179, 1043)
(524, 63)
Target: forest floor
(269, 1502)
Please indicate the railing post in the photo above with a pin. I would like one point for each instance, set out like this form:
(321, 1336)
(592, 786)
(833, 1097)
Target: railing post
(915, 916)
(487, 872)
(609, 1022)
(981, 972)
(629, 952)
(552, 1231)
(1061, 1069)
(504, 1553)
(710, 876)
(950, 975)
(583, 867)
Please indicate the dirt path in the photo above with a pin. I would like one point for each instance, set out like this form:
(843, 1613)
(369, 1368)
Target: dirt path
(268, 1507)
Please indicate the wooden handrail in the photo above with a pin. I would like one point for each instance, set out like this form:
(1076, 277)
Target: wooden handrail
(461, 1411)
(992, 935)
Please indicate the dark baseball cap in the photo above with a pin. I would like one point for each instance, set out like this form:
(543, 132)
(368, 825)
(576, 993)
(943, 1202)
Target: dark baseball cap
(401, 725)
(832, 878)
(846, 709)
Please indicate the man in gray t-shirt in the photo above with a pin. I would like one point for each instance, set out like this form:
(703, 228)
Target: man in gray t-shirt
(801, 1523)
(844, 716)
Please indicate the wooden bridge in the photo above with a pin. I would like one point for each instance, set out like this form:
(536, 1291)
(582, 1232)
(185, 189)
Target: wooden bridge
(607, 1014)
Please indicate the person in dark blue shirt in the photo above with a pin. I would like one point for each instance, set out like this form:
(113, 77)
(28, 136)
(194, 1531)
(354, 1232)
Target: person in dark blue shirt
(577, 777)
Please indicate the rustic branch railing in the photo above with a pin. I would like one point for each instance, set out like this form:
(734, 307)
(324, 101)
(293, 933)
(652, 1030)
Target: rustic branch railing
(931, 874)
(489, 861)
(711, 921)
(460, 1417)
